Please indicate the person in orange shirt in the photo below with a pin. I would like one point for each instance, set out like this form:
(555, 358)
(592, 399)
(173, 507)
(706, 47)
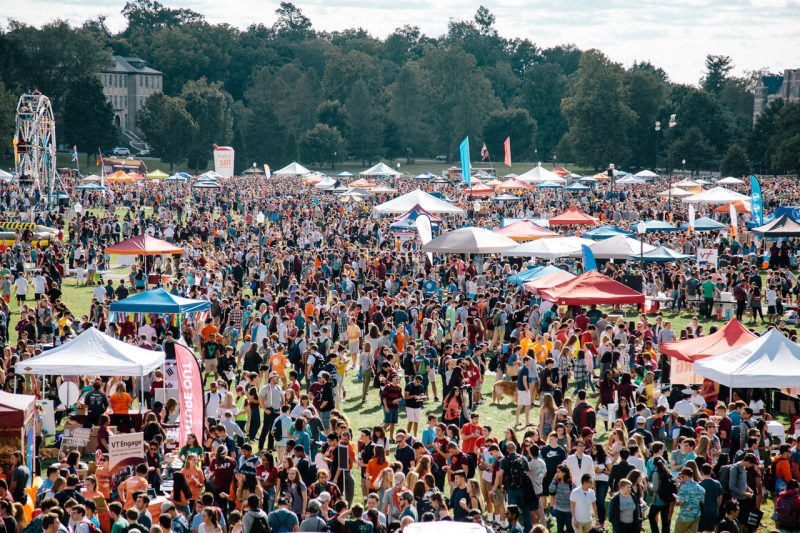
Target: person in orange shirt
(194, 476)
(132, 485)
(120, 403)
(375, 467)
(209, 330)
(277, 363)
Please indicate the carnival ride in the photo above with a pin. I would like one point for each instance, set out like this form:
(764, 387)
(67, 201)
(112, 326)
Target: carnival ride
(35, 147)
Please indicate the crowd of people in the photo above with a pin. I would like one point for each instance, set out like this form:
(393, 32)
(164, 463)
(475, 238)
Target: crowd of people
(319, 318)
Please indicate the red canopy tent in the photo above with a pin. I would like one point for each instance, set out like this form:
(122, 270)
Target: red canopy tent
(143, 245)
(572, 216)
(16, 409)
(525, 230)
(16, 429)
(591, 287)
(561, 171)
(729, 336)
(556, 278)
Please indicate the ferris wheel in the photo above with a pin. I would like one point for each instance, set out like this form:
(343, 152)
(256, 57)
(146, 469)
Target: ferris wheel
(35, 145)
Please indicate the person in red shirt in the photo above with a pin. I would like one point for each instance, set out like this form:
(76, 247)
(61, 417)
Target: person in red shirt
(456, 460)
(470, 432)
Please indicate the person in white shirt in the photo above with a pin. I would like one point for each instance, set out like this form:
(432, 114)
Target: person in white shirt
(147, 330)
(21, 285)
(579, 463)
(39, 285)
(685, 407)
(583, 505)
(98, 293)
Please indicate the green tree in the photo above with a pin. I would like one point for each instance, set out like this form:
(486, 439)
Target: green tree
(88, 118)
(167, 127)
(147, 16)
(210, 107)
(263, 132)
(514, 123)
(785, 143)
(342, 71)
(542, 91)
(322, 144)
(758, 146)
(566, 56)
(717, 70)
(459, 97)
(599, 118)
(364, 123)
(787, 154)
(332, 113)
(8, 110)
(735, 162)
(644, 94)
(692, 146)
(407, 110)
(292, 23)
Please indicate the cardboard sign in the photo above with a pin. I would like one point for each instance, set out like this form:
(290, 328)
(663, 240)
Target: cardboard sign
(74, 439)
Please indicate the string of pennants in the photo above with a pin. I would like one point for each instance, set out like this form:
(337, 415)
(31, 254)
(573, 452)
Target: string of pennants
(173, 319)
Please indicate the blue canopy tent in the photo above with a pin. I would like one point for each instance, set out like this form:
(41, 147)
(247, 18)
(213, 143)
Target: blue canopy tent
(791, 211)
(90, 187)
(605, 232)
(425, 176)
(705, 224)
(158, 302)
(662, 254)
(550, 185)
(532, 273)
(577, 187)
(652, 226)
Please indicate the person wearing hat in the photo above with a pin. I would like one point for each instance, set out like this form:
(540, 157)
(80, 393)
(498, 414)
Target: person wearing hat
(178, 523)
(690, 499)
(314, 522)
(685, 407)
(282, 520)
(641, 429)
(391, 498)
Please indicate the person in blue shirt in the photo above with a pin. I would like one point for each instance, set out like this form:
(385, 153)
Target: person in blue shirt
(428, 434)
(690, 498)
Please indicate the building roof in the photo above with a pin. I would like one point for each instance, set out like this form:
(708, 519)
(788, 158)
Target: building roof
(130, 65)
(772, 82)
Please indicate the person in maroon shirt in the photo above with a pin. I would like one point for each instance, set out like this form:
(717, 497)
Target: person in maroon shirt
(102, 434)
(457, 460)
(390, 399)
(223, 468)
(724, 427)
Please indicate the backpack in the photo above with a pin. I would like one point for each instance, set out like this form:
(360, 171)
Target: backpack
(277, 429)
(259, 524)
(587, 418)
(517, 472)
(786, 514)
(667, 489)
(323, 345)
(319, 363)
(497, 318)
(771, 475)
(725, 478)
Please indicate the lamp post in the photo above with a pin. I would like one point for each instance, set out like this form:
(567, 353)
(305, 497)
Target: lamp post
(683, 167)
(657, 130)
(671, 124)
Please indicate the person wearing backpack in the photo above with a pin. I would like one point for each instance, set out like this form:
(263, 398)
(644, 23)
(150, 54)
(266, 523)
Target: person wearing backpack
(780, 472)
(787, 508)
(664, 490)
(255, 519)
(738, 487)
(282, 520)
(512, 475)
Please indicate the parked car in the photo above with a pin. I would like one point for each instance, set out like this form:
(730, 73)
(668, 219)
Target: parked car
(144, 153)
(121, 150)
(441, 157)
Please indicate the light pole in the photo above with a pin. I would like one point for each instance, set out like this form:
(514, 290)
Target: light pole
(657, 129)
(260, 223)
(671, 124)
(683, 167)
(641, 229)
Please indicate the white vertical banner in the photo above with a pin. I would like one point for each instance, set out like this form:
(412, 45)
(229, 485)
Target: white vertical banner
(223, 161)
(425, 232)
(734, 221)
(690, 222)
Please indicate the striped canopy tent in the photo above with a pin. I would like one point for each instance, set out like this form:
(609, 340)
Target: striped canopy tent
(561, 171)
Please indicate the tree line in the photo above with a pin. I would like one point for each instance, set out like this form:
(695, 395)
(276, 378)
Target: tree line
(284, 91)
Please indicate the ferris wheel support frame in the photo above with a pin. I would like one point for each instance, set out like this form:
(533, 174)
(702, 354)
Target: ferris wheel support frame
(35, 145)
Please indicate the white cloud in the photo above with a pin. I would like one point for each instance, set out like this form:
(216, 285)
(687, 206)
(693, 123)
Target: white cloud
(675, 35)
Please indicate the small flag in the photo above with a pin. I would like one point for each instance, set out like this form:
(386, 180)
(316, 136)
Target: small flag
(756, 201)
(465, 166)
(74, 154)
(484, 153)
(267, 171)
(691, 218)
(734, 222)
(99, 162)
(14, 142)
(507, 150)
(589, 262)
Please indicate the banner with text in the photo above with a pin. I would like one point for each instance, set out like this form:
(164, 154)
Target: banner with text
(707, 255)
(190, 386)
(223, 161)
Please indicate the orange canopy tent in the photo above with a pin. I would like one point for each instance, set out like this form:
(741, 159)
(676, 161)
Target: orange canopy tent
(362, 184)
(537, 285)
(729, 336)
(136, 176)
(572, 216)
(514, 184)
(119, 177)
(143, 245)
(479, 189)
(739, 205)
(525, 230)
(589, 288)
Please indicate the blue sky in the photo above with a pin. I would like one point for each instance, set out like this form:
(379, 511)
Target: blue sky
(675, 35)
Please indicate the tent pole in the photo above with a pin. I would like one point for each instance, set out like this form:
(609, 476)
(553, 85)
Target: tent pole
(141, 393)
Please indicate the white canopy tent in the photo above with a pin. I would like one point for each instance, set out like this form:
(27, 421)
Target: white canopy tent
(675, 192)
(770, 361)
(618, 247)
(717, 195)
(380, 169)
(730, 180)
(686, 182)
(646, 174)
(93, 353)
(469, 240)
(292, 169)
(630, 180)
(5, 176)
(549, 248)
(403, 204)
(539, 174)
(326, 183)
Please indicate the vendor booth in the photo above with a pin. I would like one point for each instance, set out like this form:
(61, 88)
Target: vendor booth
(17, 430)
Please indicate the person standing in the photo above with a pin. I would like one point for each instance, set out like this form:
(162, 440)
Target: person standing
(690, 498)
(583, 505)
